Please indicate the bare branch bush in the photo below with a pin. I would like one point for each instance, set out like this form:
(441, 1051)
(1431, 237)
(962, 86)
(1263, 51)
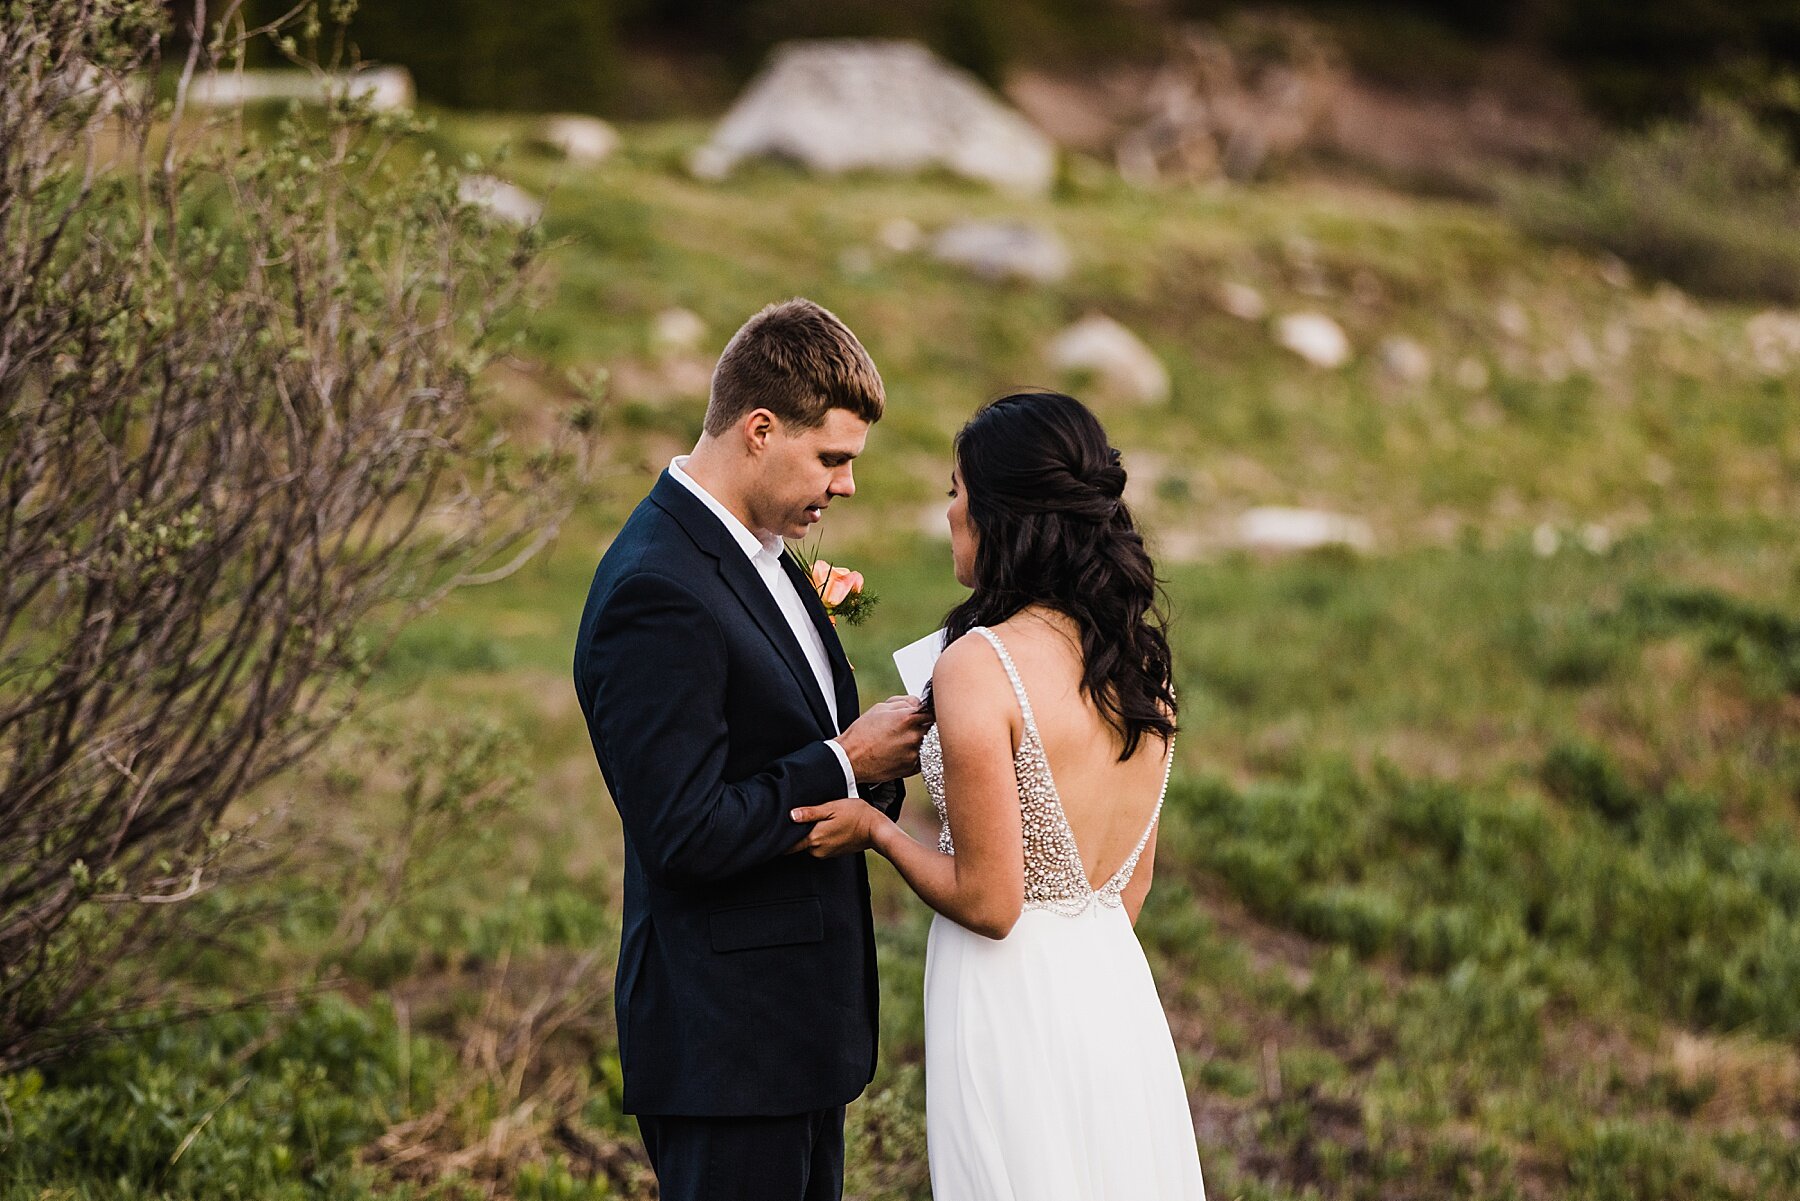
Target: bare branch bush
(388, 871)
(240, 445)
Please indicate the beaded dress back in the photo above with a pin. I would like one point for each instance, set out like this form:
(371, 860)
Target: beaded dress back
(1054, 876)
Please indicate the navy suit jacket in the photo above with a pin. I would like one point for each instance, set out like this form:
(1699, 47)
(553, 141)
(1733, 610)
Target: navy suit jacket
(746, 981)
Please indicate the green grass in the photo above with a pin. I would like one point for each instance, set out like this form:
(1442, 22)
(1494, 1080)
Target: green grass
(1478, 877)
(244, 1104)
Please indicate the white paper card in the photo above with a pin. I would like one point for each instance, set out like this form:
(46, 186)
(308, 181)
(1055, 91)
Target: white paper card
(916, 659)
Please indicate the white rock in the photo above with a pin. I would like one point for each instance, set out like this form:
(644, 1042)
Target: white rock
(1774, 340)
(1511, 319)
(1596, 538)
(86, 83)
(1004, 250)
(1404, 359)
(900, 235)
(387, 88)
(502, 200)
(1545, 540)
(1242, 301)
(1314, 337)
(1284, 529)
(1118, 359)
(584, 141)
(677, 331)
(843, 105)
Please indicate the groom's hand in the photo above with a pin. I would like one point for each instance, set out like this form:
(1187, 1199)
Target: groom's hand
(883, 744)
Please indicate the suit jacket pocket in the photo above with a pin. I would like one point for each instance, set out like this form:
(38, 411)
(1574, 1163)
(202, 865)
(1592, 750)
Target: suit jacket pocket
(770, 924)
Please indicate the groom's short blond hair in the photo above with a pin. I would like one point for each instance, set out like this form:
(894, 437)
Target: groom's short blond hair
(798, 361)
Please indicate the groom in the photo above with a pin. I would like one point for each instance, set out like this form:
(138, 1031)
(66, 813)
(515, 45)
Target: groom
(718, 699)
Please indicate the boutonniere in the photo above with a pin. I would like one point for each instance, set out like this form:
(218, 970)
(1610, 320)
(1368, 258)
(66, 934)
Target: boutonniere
(840, 590)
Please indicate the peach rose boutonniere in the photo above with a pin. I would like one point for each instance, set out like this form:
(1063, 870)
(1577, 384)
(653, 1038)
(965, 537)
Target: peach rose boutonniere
(841, 590)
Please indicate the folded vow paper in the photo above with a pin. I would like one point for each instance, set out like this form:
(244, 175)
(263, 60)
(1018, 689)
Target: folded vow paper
(916, 659)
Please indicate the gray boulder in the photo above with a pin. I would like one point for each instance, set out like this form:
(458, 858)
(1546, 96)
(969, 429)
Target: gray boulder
(583, 141)
(387, 89)
(677, 331)
(996, 250)
(501, 201)
(845, 105)
(1274, 528)
(1314, 337)
(1117, 358)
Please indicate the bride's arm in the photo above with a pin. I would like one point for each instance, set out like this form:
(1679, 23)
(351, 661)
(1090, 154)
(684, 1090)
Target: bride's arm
(982, 886)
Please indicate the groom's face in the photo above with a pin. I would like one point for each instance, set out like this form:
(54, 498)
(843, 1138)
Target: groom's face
(799, 472)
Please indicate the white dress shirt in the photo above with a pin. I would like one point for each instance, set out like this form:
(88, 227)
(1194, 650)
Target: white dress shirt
(764, 554)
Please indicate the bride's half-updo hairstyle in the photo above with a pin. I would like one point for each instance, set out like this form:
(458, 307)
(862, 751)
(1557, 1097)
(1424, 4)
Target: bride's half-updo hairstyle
(1046, 501)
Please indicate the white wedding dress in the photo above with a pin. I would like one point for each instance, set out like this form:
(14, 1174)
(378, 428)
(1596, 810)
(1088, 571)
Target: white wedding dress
(1050, 1074)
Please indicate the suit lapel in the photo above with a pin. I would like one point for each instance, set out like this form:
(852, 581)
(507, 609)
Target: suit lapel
(750, 589)
(843, 677)
(741, 577)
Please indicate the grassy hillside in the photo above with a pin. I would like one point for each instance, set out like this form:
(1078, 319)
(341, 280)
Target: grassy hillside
(1479, 877)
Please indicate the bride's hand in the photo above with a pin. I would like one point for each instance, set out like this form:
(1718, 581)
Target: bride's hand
(839, 828)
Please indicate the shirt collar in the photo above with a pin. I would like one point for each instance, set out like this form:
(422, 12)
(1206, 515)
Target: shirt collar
(749, 543)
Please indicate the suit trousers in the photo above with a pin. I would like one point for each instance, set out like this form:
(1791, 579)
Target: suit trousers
(797, 1158)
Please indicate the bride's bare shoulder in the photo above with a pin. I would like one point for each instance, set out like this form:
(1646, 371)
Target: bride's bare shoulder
(972, 696)
(967, 664)
(970, 681)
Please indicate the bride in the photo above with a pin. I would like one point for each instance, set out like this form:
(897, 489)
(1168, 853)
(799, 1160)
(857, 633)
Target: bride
(1050, 1074)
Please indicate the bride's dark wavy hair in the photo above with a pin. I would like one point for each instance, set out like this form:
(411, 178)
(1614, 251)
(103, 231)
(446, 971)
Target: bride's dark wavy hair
(1046, 499)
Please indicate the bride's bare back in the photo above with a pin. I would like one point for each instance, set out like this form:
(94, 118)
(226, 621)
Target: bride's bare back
(1107, 803)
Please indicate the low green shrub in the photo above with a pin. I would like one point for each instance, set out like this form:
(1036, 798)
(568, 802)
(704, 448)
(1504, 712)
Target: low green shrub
(1584, 778)
(1763, 642)
(247, 1103)
(1604, 888)
(441, 648)
(1712, 204)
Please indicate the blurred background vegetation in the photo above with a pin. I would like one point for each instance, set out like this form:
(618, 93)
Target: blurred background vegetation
(662, 58)
(1479, 877)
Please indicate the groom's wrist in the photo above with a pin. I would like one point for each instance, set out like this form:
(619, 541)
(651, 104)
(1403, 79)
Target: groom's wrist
(843, 758)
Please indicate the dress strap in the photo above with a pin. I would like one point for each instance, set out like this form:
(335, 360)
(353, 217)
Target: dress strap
(1012, 673)
(1122, 877)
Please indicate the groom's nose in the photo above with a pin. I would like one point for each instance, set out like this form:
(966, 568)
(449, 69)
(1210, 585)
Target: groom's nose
(842, 483)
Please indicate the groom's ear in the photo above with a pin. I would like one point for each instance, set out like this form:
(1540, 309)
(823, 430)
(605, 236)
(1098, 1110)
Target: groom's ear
(757, 427)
